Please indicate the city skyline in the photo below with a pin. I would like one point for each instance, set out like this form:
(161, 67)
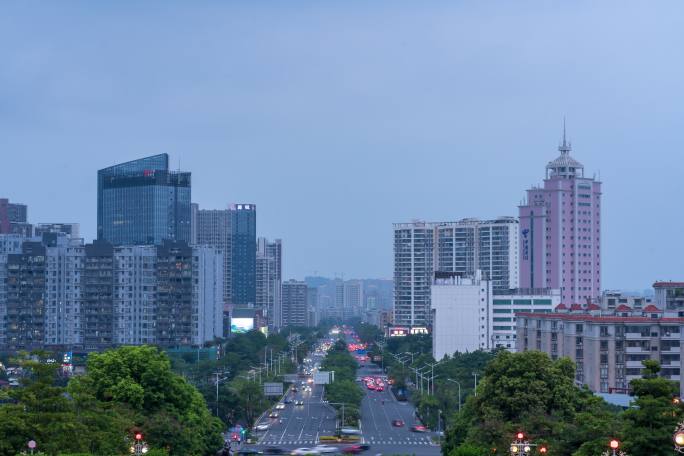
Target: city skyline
(257, 125)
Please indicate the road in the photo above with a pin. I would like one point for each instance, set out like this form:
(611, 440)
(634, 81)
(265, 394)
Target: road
(376, 422)
(300, 425)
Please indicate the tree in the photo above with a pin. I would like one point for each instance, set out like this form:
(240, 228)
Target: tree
(57, 421)
(650, 424)
(528, 391)
(170, 412)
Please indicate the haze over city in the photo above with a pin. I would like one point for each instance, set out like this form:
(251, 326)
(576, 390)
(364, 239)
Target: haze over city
(337, 120)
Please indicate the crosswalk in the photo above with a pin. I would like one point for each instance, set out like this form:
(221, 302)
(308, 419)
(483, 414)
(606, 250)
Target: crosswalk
(408, 441)
(288, 442)
(372, 440)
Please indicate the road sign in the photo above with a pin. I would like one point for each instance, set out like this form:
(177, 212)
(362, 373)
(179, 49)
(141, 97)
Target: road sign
(321, 378)
(273, 389)
(291, 378)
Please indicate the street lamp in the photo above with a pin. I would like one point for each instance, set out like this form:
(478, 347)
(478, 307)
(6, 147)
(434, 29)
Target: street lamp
(614, 445)
(459, 391)
(678, 438)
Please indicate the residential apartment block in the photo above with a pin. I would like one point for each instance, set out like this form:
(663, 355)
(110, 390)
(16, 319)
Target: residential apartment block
(59, 293)
(463, 247)
(608, 346)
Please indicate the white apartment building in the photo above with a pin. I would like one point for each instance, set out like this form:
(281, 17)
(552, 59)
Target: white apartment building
(421, 249)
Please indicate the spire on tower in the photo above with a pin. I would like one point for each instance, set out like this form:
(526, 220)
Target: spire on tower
(564, 148)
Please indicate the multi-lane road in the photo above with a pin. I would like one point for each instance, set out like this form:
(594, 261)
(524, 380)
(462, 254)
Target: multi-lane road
(301, 425)
(378, 410)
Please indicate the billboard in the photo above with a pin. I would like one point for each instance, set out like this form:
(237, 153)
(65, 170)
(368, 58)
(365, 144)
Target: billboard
(321, 378)
(273, 389)
(398, 331)
(419, 330)
(241, 324)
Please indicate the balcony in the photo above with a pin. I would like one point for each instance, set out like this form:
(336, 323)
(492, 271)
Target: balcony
(671, 350)
(634, 364)
(637, 336)
(670, 336)
(637, 350)
(671, 363)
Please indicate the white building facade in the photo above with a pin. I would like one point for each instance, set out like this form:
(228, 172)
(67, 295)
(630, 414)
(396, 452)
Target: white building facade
(460, 314)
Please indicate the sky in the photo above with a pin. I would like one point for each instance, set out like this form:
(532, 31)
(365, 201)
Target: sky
(338, 118)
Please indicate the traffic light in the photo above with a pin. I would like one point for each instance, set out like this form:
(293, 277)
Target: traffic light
(614, 444)
(520, 436)
(542, 449)
(138, 436)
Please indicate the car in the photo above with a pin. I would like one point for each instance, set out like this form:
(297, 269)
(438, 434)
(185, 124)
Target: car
(288, 400)
(397, 423)
(274, 450)
(273, 414)
(261, 427)
(304, 451)
(350, 431)
(325, 449)
(419, 428)
(247, 451)
(355, 449)
(299, 402)
(280, 406)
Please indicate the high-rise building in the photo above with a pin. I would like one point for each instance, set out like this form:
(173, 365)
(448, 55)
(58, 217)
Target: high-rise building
(97, 296)
(295, 303)
(13, 218)
(207, 296)
(142, 202)
(59, 294)
(269, 259)
(421, 249)
(25, 306)
(212, 228)
(9, 243)
(353, 298)
(560, 232)
(243, 254)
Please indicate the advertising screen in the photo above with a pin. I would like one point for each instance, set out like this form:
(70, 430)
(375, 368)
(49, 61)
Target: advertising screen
(241, 325)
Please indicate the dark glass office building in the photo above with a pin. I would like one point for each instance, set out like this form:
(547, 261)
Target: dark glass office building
(142, 202)
(243, 254)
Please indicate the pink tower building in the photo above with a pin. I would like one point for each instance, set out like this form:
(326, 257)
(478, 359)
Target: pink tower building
(560, 232)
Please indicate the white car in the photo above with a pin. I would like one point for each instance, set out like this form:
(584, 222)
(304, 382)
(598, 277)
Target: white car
(280, 406)
(261, 427)
(305, 451)
(325, 449)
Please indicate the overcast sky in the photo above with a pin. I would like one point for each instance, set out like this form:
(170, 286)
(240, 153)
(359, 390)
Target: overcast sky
(338, 118)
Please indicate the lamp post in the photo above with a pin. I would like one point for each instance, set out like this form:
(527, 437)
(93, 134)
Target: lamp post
(139, 447)
(678, 438)
(614, 445)
(459, 391)
(218, 380)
